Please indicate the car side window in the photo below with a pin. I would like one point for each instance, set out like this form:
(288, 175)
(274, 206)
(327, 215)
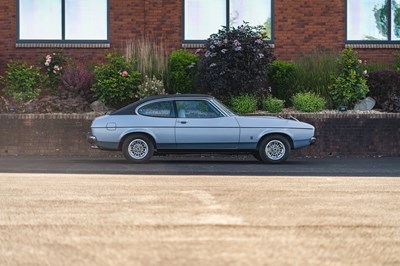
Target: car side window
(158, 109)
(196, 109)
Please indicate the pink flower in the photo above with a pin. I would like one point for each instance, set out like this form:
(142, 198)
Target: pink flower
(56, 69)
(48, 60)
(124, 73)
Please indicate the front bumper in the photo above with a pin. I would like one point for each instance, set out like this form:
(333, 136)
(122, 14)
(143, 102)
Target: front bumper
(313, 140)
(92, 141)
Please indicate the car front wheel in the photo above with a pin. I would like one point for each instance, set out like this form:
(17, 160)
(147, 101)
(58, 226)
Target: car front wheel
(274, 149)
(138, 148)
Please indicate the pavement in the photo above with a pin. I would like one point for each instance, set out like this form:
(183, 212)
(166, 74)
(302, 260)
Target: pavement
(204, 165)
(189, 211)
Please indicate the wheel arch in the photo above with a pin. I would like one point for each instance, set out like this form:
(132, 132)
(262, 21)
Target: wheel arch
(286, 136)
(127, 135)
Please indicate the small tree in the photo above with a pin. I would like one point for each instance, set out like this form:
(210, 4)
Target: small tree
(22, 82)
(235, 61)
(116, 81)
(182, 71)
(351, 84)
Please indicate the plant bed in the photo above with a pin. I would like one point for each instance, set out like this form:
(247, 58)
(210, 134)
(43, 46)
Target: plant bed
(45, 104)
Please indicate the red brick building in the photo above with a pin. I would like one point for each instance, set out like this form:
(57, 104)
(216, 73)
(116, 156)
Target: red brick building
(86, 30)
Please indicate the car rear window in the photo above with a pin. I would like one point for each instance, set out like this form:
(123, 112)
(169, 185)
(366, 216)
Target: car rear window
(158, 109)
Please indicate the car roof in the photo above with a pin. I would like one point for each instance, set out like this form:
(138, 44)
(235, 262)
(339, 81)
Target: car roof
(130, 109)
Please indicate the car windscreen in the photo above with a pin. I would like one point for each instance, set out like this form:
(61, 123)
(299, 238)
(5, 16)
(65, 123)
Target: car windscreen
(224, 108)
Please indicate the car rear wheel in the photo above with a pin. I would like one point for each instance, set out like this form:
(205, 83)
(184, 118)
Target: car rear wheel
(138, 148)
(274, 149)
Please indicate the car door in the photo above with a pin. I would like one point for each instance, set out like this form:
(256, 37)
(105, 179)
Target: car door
(158, 119)
(200, 125)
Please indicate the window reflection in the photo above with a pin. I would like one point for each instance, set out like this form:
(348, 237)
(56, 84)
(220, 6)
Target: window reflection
(86, 20)
(366, 20)
(40, 20)
(203, 18)
(44, 20)
(395, 33)
(255, 12)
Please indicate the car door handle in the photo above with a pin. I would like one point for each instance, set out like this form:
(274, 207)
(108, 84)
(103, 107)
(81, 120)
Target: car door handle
(182, 121)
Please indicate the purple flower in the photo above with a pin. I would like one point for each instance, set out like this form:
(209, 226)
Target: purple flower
(260, 55)
(213, 65)
(217, 43)
(236, 43)
(224, 51)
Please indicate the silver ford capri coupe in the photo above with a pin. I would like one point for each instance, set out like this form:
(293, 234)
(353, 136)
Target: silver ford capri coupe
(196, 123)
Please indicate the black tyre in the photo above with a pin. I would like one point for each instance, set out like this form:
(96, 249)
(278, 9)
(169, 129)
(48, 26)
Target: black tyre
(274, 149)
(138, 148)
(257, 156)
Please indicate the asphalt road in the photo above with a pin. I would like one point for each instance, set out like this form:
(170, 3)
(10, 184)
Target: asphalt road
(200, 165)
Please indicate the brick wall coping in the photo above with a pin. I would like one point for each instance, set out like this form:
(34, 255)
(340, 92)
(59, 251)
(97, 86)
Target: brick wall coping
(201, 45)
(64, 45)
(374, 46)
(89, 116)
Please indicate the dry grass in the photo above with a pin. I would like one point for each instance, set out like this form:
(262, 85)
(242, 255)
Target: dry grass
(150, 57)
(198, 220)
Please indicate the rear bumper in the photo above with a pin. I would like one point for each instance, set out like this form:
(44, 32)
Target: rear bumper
(313, 140)
(103, 145)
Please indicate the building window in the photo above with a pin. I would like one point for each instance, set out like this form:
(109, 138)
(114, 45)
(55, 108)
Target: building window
(373, 21)
(205, 17)
(63, 20)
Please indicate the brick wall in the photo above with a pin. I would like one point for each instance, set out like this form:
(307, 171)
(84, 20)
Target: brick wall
(64, 135)
(300, 27)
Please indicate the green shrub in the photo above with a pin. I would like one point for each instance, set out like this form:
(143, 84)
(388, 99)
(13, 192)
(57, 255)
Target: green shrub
(244, 104)
(182, 71)
(150, 87)
(283, 78)
(235, 61)
(351, 84)
(22, 82)
(397, 66)
(308, 102)
(116, 81)
(273, 105)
